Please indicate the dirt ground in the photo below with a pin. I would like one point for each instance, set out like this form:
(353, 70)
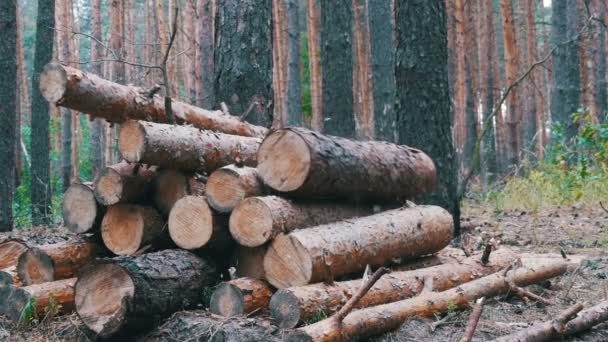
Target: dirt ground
(576, 230)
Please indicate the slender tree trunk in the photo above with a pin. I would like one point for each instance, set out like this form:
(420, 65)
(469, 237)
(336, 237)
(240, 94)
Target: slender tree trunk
(74, 46)
(190, 38)
(534, 137)
(363, 97)
(98, 126)
(313, 27)
(548, 74)
(206, 26)
(600, 60)
(24, 88)
(584, 55)
(423, 101)
(460, 94)
(472, 84)
(65, 56)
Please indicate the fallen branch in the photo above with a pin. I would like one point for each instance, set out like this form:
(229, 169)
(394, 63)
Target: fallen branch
(473, 320)
(348, 307)
(525, 294)
(588, 318)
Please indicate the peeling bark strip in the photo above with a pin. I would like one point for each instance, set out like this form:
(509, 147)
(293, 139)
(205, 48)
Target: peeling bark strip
(240, 296)
(295, 305)
(307, 164)
(52, 298)
(10, 250)
(126, 228)
(81, 211)
(182, 147)
(257, 220)
(311, 255)
(228, 186)
(91, 94)
(134, 292)
(124, 183)
(387, 317)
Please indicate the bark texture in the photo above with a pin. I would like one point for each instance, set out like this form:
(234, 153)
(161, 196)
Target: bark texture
(98, 126)
(363, 96)
(49, 299)
(313, 28)
(124, 183)
(241, 296)
(228, 186)
(206, 31)
(81, 211)
(127, 228)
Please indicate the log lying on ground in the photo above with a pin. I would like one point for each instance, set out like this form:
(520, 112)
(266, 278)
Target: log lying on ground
(249, 262)
(445, 256)
(48, 299)
(124, 183)
(126, 228)
(588, 318)
(56, 261)
(257, 220)
(138, 291)
(240, 296)
(193, 225)
(171, 185)
(81, 211)
(305, 163)
(314, 254)
(9, 276)
(387, 317)
(229, 185)
(10, 250)
(183, 147)
(91, 94)
(295, 305)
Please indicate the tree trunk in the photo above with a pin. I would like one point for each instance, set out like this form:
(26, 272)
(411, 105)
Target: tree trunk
(423, 102)
(249, 262)
(8, 107)
(472, 87)
(55, 261)
(320, 253)
(387, 317)
(81, 211)
(228, 186)
(124, 183)
(190, 45)
(127, 228)
(243, 59)
(257, 220)
(183, 147)
(363, 96)
(10, 250)
(171, 185)
(193, 225)
(24, 86)
(93, 95)
(306, 164)
(238, 297)
(313, 28)
(48, 300)
(534, 133)
(139, 291)
(98, 126)
(601, 85)
(460, 89)
(293, 306)
(206, 35)
(74, 48)
(64, 55)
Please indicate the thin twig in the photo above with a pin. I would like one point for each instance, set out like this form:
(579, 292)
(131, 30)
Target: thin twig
(248, 111)
(350, 304)
(473, 320)
(523, 293)
(602, 206)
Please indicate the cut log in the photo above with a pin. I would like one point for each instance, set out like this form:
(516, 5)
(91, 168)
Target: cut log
(126, 228)
(54, 262)
(588, 318)
(257, 220)
(124, 183)
(10, 250)
(48, 299)
(295, 305)
(183, 147)
(239, 297)
(387, 317)
(311, 255)
(81, 211)
(445, 256)
(193, 225)
(9, 276)
(138, 291)
(308, 164)
(91, 94)
(229, 185)
(249, 262)
(171, 185)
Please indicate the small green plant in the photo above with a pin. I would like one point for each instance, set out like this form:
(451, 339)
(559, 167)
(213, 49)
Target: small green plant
(452, 307)
(28, 314)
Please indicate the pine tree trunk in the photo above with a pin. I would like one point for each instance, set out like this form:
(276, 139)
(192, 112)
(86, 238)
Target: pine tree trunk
(98, 126)
(460, 89)
(601, 85)
(190, 46)
(363, 96)
(24, 86)
(472, 85)
(313, 27)
(206, 36)
(533, 134)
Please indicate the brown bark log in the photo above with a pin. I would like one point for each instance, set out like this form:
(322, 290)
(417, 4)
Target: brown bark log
(311, 255)
(228, 186)
(124, 183)
(91, 94)
(469, 331)
(257, 220)
(172, 185)
(10, 250)
(193, 225)
(296, 305)
(387, 317)
(184, 148)
(49, 299)
(238, 297)
(127, 228)
(9, 276)
(304, 163)
(56, 261)
(249, 262)
(588, 318)
(137, 291)
(81, 211)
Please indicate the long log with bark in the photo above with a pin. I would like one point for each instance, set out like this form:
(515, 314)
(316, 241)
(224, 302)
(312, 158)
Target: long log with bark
(386, 317)
(307, 164)
(132, 292)
(257, 220)
(81, 211)
(193, 225)
(10, 250)
(184, 147)
(91, 94)
(38, 301)
(124, 183)
(241, 296)
(319, 253)
(55, 261)
(228, 186)
(126, 228)
(295, 305)
(171, 185)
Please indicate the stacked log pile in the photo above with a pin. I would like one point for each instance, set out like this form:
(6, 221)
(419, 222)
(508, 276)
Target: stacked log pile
(284, 222)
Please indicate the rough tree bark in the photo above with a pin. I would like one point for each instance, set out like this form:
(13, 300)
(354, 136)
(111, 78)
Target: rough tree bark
(313, 28)
(188, 32)
(241, 296)
(124, 183)
(62, 9)
(363, 96)
(228, 186)
(98, 127)
(460, 89)
(81, 211)
(206, 36)
(127, 228)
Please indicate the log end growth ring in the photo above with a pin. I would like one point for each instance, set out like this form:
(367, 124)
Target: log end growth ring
(285, 309)
(284, 160)
(108, 187)
(227, 301)
(191, 222)
(79, 208)
(122, 229)
(287, 263)
(53, 82)
(35, 267)
(251, 222)
(102, 295)
(224, 190)
(132, 141)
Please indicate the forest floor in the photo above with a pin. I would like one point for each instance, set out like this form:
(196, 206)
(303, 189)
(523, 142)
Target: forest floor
(579, 229)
